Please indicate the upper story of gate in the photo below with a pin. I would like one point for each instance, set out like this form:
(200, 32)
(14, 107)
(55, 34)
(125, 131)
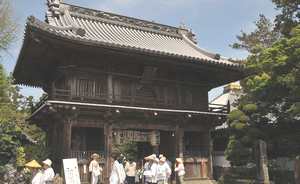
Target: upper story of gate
(80, 54)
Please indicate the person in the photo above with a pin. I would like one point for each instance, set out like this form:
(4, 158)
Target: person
(130, 169)
(117, 175)
(95, 169)
(179, 169)
(167, 160)
(58, 179)
(163, 171)
(47, 173)
(150, 169)
(36, 173)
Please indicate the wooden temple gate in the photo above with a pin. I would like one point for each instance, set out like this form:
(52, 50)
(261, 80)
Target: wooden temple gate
(104, 73)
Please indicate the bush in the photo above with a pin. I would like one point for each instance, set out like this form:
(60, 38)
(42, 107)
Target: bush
(238, 175)
(281, 176)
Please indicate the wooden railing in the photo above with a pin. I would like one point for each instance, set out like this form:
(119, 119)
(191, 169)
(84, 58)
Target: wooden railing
(196, 153)
(134, 100)
(39, 103)
(64, 94)
(219, 153)
(86, 155)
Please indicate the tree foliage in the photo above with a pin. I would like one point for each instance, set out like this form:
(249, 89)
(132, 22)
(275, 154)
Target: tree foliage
(289, 15)
(270, 106)
(15, 132)
(262, 37)
(7, 25)
(129, 150)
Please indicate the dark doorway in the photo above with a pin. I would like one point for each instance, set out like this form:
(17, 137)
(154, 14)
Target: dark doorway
(144, 149)
(167, 145)
(87, 139)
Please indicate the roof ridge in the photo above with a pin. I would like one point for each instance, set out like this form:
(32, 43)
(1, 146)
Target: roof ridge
(122, 18)
(124, 24)
(195, 46)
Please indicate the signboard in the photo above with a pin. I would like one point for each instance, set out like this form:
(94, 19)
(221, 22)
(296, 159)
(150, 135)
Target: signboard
(126, 136)
(71, 171)
(154, 138)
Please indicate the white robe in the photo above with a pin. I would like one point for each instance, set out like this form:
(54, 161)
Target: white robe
(96, 170)
(48, 176)
(37, 178)
(117, 175)
(150, 172)
(163, 172)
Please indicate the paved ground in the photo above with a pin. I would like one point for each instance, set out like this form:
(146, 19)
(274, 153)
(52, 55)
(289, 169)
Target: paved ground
(200, 182)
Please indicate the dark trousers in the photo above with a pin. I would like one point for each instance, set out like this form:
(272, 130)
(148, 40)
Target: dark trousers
(130, 179)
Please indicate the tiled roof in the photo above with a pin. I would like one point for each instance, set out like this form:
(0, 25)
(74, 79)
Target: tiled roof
(118, 31)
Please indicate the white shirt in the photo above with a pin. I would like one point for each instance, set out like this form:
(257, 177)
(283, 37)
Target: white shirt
(180, 170)
(117, 175)
(163, 172)
(94, 168)
(48, 176)
(150, 172)
(37, 178)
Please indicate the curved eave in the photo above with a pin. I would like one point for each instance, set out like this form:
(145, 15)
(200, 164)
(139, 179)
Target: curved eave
(18, 67)
(50, 30)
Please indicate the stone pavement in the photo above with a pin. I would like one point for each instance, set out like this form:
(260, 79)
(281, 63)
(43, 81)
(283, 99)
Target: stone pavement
(200, 182)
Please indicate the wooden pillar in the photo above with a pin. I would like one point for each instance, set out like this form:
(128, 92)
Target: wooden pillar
(54, 139)
(210, 156)
(262, 163)
(179, 133)
(110, 90)
(297, 170)
(108, 150)
(49, 136)
(67, 134)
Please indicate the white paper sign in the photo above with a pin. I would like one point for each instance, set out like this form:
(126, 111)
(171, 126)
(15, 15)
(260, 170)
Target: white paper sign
(71, 171)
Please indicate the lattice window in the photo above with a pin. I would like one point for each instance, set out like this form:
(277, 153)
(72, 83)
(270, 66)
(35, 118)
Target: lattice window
(90, 88)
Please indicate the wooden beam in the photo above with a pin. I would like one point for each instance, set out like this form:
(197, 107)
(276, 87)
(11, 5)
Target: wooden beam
(67, 133)
(179, 133)
(88, 124)
(110, 87)
(108, 150)
(210, 153)
(145, 126)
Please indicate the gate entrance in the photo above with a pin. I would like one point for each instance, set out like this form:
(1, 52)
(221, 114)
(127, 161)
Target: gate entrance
(167, 145)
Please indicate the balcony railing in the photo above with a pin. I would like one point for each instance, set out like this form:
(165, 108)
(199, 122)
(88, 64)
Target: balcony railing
(86, 155)
(39, 103)
(134, 100)
(196, 153)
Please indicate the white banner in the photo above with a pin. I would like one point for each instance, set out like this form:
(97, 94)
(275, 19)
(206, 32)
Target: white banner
(71, 171)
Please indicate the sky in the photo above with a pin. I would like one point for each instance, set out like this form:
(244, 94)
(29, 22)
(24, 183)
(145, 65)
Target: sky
(215, 22)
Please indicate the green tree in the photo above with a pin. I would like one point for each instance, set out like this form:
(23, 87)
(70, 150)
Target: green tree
(7, 26)
(269, 108)
(289, 15)
(15, 131)
(262, 37)
(129, 150)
